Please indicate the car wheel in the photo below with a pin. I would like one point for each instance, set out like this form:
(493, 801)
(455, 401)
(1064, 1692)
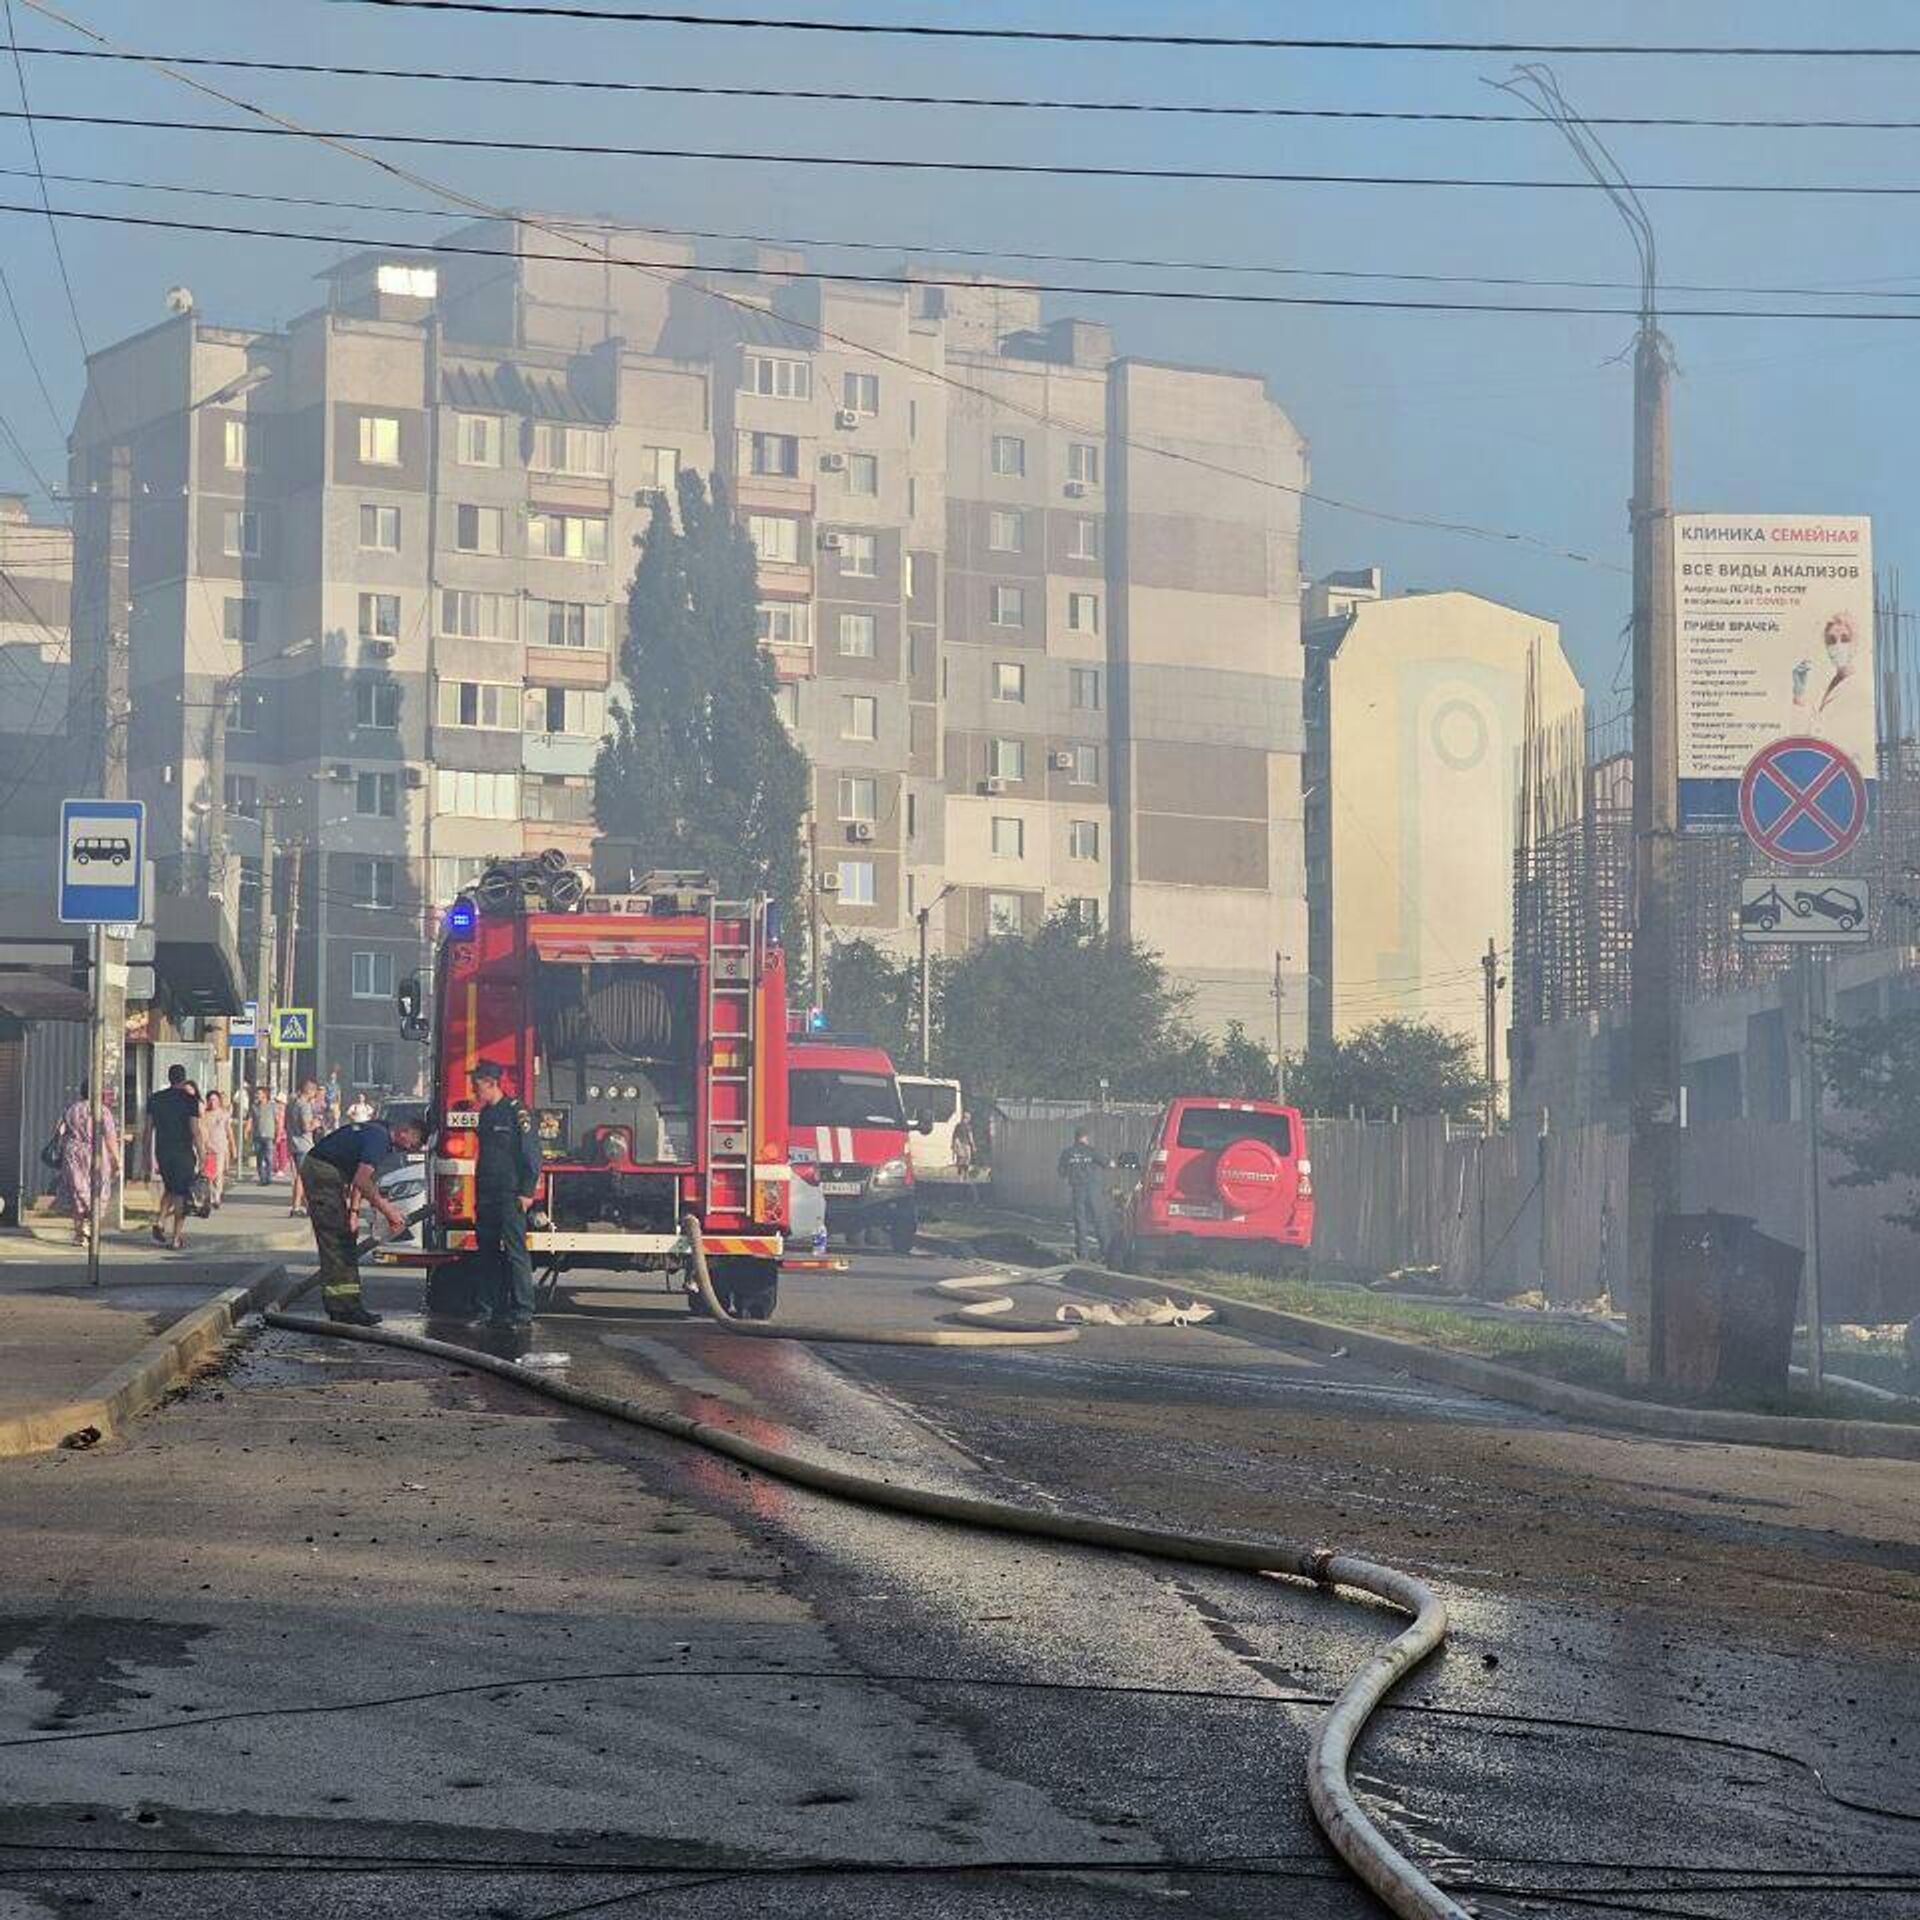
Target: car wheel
(902, 1231)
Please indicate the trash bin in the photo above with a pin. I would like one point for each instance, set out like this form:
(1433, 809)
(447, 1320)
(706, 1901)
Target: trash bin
(1730, 1297)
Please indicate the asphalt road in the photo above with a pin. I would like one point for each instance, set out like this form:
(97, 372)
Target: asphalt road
(343, 1633)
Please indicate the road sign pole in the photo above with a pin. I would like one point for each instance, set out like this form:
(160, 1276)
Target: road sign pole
(1813, 996)
(96, 1060)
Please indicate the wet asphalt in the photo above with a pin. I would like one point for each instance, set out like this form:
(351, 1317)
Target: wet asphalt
(1682, 1679)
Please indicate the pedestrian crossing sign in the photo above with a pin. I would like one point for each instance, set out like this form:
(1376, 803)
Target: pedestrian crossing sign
(292, 1028)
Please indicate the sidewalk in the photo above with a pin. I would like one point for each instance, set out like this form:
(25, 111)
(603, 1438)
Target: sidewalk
(254, 1220)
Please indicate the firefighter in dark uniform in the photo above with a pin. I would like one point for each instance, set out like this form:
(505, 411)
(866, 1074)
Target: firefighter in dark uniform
(505, 1180)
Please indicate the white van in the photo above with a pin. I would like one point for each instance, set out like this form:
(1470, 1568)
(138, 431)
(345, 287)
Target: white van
(940, 1101)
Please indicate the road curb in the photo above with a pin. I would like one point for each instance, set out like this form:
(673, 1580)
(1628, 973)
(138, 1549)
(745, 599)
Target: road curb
(167, 1360)
(1859, 1439)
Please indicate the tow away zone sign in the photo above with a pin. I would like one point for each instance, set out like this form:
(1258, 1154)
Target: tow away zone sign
(1785, 910)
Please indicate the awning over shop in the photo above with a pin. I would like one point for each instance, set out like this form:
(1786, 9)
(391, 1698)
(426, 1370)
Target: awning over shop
(196, 963)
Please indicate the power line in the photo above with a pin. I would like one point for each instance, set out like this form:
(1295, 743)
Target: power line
(26, 347)
(53, 226)
(1009, 102)
(910, 163)
(1091, 290)
(655, 16)
(941, 250)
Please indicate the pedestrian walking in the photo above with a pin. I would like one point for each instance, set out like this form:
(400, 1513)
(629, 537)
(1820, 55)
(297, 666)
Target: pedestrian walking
(963, 1147)
(215, 1132)
(260, 1129)
(340, 1175)
(303, 1128)
(1081, 1166)
(79, 1163)
(359, 1110)
(506, 1176)
(173, 1151)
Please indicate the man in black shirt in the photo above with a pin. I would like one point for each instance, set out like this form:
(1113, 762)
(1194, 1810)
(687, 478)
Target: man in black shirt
(1081, 1166)
(174, 1152)
(341, 1172)
(506, 1178)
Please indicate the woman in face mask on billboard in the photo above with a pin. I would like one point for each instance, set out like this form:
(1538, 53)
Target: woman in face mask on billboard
(1817, 693)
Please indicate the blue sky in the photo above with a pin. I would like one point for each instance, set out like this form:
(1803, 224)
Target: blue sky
(1507, 421)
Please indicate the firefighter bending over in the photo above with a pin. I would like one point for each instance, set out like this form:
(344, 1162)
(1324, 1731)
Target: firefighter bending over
(505, 1181)
(341, 1173)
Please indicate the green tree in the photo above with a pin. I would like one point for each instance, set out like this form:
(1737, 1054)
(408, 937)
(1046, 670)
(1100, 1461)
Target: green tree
(871, 991)
(698, 771)
(1415, 1065)
(1871, 1069)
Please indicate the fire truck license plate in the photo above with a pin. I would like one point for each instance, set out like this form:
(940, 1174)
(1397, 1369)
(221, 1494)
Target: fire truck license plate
(840, 1186)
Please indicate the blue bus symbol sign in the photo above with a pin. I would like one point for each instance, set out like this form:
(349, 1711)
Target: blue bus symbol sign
(103, 850)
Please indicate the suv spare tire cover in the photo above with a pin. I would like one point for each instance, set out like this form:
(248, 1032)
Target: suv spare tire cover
(1247, 1175)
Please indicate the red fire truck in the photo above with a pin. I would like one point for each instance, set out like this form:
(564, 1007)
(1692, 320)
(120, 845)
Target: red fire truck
(646, 1033)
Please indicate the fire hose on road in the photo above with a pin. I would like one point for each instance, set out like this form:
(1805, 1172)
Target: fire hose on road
(1403, 1888)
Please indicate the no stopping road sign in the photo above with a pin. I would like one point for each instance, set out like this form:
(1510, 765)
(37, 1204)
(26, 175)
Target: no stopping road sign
(1802, 802)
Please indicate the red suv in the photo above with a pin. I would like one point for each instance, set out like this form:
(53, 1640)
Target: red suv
(1222, 1176)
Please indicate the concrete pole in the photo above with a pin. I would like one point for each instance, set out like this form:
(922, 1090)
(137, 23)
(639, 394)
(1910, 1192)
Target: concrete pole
(926, 994)
(223, 692)
(817, 983)
(1280, 1027)
(1813, 996)
(1490, 998)
(1653, 1185)
(263, 938)
(96, 1061)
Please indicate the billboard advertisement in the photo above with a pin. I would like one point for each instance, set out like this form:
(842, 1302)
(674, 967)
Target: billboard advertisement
(1774, 637)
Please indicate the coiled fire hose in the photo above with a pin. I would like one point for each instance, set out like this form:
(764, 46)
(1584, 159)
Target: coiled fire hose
(1400, 1885)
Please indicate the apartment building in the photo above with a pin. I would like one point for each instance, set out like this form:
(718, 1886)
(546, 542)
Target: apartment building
(1034, 606)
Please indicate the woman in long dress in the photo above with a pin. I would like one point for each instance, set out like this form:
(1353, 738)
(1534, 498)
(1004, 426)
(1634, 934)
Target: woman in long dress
(77, 1159)
(216, 1143)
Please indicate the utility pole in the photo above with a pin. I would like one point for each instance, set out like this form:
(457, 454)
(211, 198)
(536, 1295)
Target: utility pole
(263, 936)
(1490, 998)
(926, 993)
(1280, 1027)
(1812, 1001)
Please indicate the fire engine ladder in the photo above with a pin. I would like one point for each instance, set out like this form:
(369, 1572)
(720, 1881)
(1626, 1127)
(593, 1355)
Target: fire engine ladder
(732, 1004)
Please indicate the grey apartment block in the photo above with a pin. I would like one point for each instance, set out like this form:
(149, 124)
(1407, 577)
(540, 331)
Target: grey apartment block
(1033, 605)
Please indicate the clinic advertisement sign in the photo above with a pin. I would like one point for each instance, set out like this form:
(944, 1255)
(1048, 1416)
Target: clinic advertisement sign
(1774, 640)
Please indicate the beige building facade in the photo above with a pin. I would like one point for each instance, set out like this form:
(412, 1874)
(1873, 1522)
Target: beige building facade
(1417, 714)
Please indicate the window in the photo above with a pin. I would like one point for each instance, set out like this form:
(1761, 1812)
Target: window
(913, 829)
(241, 795)
(477, 796)
(568, 536)
(1009, 608)
(477, 439)
(1007, 759)
(1085, 912)
(453, 874)
(1006, 531)
(920, 575)
(776, 377)
(244, 710)
(782, 623)
(376, 796)
(411, 283)
(856, 636)
(240, 535)
(786, 703)
(561, 802)
(1009, 680)
(376, 703)
(564, 449)
(477, 616)
(856, 883)
(860, 717)
(372, 882)
(863, 474)
(1083, 688)
(775, 537)
(379, 440)
(380, 529)
(477, 529)
(1003, 915)
(1086, 765)
(1083, 613)
(569, 623)
(1083, 463)
(1083, 839)
(373, 1059)
(660, 468)
(240, 620)
(1009, 837)
(1086, 543)
(372, 976)
(860, 392)
(236, 444)
(379, 616)
(771, 454)
(478, 703)
(1009, 453)
(576, 712)
(859, 555)
(859, 797)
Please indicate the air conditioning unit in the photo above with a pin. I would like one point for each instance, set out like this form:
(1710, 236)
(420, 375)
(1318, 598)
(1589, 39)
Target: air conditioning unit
(383, 649)
(340, 771)
(1076, 489)
(829, 883)
(829, 543)
(993, 784)
(860, 830)
(1061, 761)
(846, 417)
(415, 776)
(833, 463)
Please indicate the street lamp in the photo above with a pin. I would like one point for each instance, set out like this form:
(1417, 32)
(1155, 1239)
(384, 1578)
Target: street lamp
(923, 916)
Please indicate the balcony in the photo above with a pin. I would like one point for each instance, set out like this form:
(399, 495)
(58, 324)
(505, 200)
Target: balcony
(570, 666)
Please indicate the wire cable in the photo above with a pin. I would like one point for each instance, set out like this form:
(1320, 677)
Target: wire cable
(53, 226)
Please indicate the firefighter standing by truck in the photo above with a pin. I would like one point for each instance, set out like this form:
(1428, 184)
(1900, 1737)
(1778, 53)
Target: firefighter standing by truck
(506, 1177)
